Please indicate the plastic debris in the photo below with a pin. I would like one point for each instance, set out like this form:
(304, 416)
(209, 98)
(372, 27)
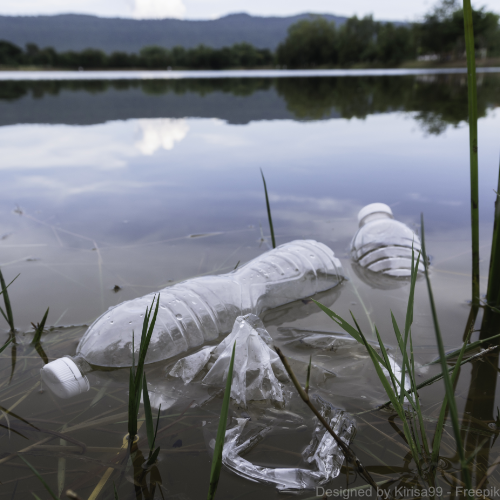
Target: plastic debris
(323, 452)
(187, 368)
(257, 368)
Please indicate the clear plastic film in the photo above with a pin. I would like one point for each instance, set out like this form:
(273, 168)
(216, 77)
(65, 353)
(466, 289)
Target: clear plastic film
(257, 368)
(322, 452)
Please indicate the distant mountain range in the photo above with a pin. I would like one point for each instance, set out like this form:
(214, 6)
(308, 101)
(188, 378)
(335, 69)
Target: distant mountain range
(78, 32)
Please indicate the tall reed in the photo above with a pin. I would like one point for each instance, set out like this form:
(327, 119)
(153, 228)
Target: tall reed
(473, 146)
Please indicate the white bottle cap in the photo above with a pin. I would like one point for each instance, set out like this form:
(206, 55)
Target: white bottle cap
(64, 379)
(374, 208)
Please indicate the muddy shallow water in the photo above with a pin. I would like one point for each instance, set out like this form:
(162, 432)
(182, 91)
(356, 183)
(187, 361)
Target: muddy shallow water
(111, 190)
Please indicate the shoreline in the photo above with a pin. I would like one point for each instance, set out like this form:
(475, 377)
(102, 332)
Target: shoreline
(34, 75)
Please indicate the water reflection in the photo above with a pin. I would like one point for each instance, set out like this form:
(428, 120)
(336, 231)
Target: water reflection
(378, 281)
(160, 133)
(481, 417)
(111, 180)
(435, 101)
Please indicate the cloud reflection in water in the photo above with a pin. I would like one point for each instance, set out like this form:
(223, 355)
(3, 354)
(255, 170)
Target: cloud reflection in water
(160, 133)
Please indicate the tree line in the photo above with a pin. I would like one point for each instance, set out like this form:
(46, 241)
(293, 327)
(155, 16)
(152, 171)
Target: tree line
(310, 43)
(202, 57)
(436, 103)
(317, 42)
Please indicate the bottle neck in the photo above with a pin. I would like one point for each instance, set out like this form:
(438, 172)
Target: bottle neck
(81, 363)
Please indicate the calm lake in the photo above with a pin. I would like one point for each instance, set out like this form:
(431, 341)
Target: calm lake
(114, 188)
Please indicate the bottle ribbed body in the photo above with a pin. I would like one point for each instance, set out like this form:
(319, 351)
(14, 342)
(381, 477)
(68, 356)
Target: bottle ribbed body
(385, 245)
(202, 309)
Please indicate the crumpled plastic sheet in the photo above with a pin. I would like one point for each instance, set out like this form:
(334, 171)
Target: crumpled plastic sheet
(187, 368)
(322, 451)
(257, 368)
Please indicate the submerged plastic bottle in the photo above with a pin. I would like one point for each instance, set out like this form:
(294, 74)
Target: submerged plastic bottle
(382, 244)
(198, 310)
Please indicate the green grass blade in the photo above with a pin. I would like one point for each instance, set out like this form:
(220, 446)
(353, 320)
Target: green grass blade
(5, 345)
(442, 414)
(137, 372)
(402, 348)
(47, 487)
(469, 347)
(148, 415)
(388, 389)
(147, 332)
(154, 456)
(399, 388)
(392, 395)
(4, 315)
(406, 362)
(115, 492)
(271, 228)
(39, 329)
(383, 362)
(421, 425)
(308, 375)
(355, 334)
(8, 309)
(450, 395)
(2, 291)
(473, 146)
(156, 429)
(409, 316)
(132, 409)
(13, 359)
(387, 364)
(435, 378)
(221, 433)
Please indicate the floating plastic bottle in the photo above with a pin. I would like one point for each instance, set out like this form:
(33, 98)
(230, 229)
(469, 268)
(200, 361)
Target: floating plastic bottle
(197, 311)
(382, 244)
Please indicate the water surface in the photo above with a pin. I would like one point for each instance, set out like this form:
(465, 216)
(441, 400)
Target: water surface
(112, 189)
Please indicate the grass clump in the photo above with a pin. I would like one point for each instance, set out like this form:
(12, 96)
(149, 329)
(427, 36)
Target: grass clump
(136, 383)
(402, 389)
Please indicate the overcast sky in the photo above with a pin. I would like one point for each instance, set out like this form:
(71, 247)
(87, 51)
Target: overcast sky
(404, 10)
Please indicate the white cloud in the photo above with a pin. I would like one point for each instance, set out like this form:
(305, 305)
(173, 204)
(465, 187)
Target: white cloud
(158, 133)
(158, 9)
